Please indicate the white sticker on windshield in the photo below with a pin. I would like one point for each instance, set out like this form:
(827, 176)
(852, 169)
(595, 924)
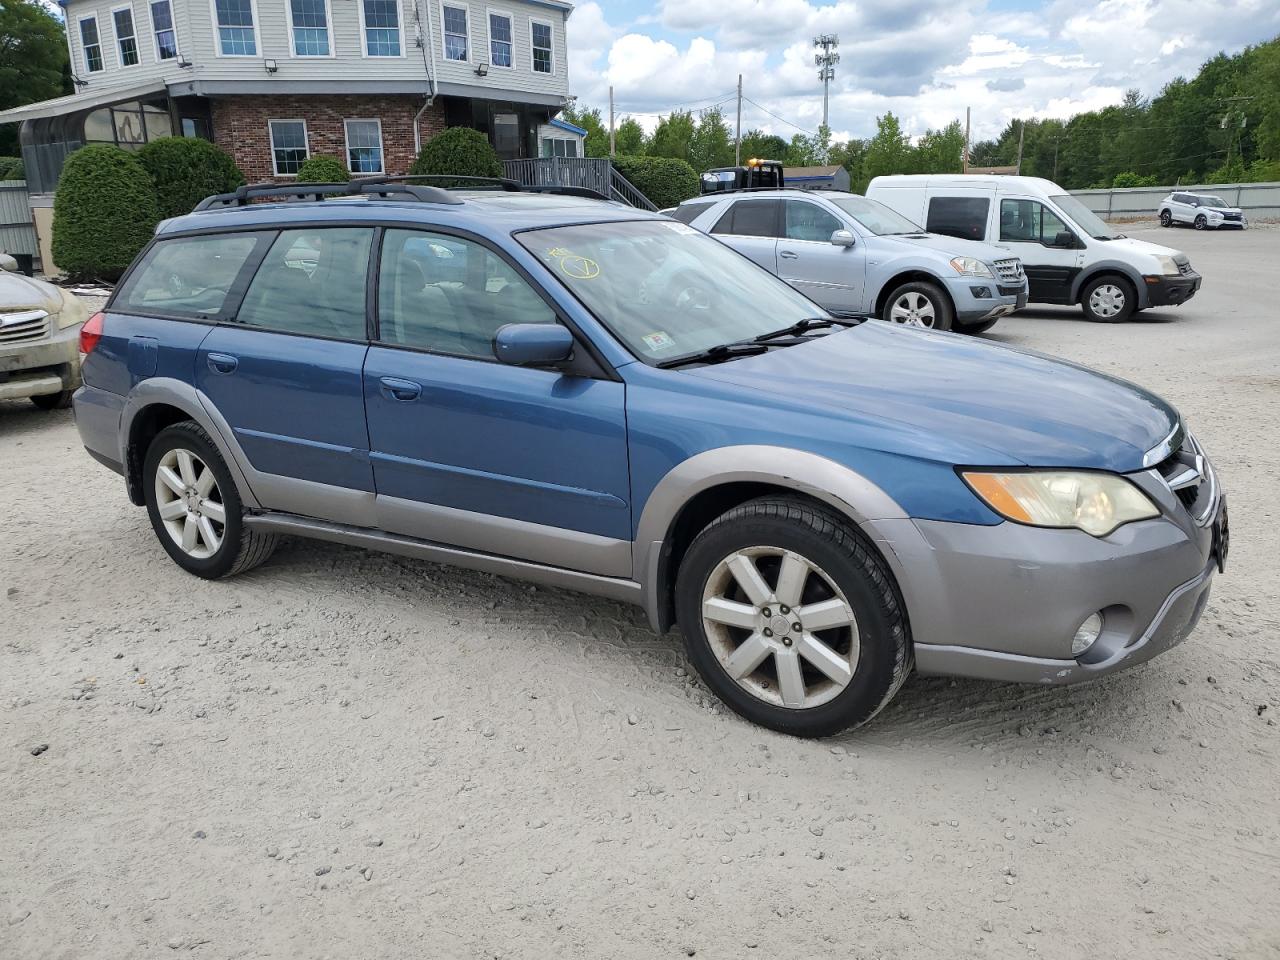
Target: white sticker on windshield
(679, 227)
(658, 341)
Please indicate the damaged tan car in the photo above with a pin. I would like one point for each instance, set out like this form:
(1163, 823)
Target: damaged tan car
(39, 340)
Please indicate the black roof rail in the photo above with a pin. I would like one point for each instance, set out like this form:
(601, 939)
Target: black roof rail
(503, 183)
(378, 186)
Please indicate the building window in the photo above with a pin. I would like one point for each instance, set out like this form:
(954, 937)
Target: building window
(162, 24)
(455, 33)
(364, 146)
(499, 39)
(236, 37)
(91, 45)
(126, 40)
(541, 32)
(309, 23)
(288, 146)
(559, 146)
(381, 27)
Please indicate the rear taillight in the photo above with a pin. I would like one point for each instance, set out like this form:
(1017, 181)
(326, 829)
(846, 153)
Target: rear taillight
(91, 333)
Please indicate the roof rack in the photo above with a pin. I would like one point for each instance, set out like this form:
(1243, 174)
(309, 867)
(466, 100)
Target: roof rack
(378, 186)
(506, 184)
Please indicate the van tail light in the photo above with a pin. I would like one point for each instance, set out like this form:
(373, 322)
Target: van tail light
(91, 333)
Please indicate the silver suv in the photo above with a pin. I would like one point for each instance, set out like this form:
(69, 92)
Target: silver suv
(1201, 210)
(856, 257)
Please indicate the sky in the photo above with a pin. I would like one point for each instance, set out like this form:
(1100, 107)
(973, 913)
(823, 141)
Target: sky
(924, 60)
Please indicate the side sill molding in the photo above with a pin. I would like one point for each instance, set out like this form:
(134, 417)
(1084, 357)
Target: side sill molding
(615, 588)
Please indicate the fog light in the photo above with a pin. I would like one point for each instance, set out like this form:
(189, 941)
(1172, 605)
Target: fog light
(1086, 633)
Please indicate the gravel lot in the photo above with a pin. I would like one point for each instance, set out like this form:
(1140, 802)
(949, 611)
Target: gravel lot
(347, 754)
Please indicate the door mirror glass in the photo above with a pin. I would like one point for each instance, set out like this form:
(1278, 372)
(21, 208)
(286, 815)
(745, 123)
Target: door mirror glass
(533, 344)
(842, 238)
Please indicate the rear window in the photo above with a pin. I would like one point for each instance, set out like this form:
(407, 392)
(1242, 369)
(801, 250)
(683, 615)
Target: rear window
(688, 212)
(187, 276)
(750, 218)
(962, 217)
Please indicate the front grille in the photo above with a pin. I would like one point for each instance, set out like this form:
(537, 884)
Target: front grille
(22, 328)
(1191, 478)
(1009, 291)
(1232, 216)
(1009, 271)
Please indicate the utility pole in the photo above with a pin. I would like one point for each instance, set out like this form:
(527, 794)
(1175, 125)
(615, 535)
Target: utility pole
(964, 167)
(1022, 129)
(826, 63)
(1055, 159)
(613, 146)
(737, 143)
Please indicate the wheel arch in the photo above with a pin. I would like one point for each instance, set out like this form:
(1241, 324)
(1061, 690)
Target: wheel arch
(703, 487)
(914, 275)
(1110, 267)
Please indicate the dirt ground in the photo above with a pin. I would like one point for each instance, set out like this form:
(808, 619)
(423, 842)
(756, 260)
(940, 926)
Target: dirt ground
(344, 754)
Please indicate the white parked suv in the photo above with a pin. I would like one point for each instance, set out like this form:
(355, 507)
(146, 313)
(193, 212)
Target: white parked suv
(1069, 254)
(1201, 210)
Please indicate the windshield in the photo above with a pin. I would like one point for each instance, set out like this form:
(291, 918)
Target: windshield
(664, 289)
(1084, 218)
(1212, 201)
(873, 215)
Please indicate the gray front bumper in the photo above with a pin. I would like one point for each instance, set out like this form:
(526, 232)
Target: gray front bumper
(38, 367)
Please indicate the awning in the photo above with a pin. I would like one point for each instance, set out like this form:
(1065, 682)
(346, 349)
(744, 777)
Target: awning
(566, 125)
(81, 101)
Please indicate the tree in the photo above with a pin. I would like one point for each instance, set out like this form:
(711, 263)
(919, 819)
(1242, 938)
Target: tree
(597, 140)
(889, 151)
(461, 151)
(940, 151)
(185, 170)
(33, 61)
(323, 168)
(629, 137)
(104, 212)
(764, 146)
(710, 146)
(672, 136)
(664, 180)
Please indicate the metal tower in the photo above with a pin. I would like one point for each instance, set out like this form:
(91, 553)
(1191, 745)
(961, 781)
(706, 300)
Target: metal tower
(826, 62)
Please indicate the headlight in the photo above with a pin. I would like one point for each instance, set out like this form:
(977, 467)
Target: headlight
(1168, 267)
(1096, 503)
(73, 311)
(970, 267)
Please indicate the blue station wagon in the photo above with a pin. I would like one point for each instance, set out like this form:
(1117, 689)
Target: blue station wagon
(589, 396)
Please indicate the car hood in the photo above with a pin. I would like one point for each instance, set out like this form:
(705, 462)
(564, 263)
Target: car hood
(1224, 209)
(953, 246)
(19, 293)
(953, 398)
(1144, 247)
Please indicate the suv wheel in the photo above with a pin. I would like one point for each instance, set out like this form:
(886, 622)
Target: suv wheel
(1166, 218)
(1201, 221)
(918, 304)
(195, 508)
(1108, 299)
(54, 401)
(791, 618)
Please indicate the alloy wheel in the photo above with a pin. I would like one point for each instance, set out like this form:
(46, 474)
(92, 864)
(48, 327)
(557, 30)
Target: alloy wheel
(780, 627)
(1106, 300)
(190, 503)
(913, 309)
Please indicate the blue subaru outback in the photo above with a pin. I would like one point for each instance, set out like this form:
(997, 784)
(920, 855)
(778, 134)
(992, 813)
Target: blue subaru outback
(568, 391)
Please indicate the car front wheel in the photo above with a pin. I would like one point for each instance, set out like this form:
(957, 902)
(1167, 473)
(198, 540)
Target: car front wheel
(1201, 222)
(1108, 300)
(792, 618)
(918, 304)
(1166, 218)
(195, 508)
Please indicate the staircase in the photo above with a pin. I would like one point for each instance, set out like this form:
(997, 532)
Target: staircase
(594, 173)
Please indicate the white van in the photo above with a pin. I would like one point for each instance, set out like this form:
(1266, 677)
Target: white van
(1069, 254)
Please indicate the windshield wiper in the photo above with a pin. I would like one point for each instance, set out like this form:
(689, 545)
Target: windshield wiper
(716, 354)
(804, 326)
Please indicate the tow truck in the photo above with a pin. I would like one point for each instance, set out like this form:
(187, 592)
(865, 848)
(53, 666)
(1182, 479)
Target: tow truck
(754, 174)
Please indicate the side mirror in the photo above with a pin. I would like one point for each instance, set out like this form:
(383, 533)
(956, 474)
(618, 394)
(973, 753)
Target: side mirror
(842, 238)
(1065, 239)
(532, 344)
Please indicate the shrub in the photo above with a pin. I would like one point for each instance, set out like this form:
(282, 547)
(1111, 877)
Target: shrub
(11, 168)
(185, 170)
(459, 150)
(1129, 179)
(104, 212)
(663, 180)
(323, 168)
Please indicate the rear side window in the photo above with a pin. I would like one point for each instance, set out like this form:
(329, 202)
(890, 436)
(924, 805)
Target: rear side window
(750, 218)
(187, 276)
(962, 217)
(312, 282)
(688, 212)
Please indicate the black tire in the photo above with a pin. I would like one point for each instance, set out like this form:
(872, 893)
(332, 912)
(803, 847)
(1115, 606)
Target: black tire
(1166, 218)
(943, 315)
(827, 539)
(1202, 222)
(1129, 294)
(241, 547)
(53, 401)
(982, 326)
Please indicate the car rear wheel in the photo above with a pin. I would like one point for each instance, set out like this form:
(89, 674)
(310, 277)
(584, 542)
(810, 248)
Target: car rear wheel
(195, 508)
(1201, 222)
(54, 401)
(1166, 218)
(918, 304)
(792, 618)
(1108, 299)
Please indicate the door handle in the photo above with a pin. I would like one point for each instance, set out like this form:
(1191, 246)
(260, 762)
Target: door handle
(402, 390)
(222, 362)
(788, 255)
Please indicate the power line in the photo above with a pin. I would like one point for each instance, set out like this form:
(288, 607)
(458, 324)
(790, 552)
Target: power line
(778, 118)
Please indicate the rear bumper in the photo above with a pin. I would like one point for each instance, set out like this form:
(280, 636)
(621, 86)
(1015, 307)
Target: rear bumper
(98, 421)
(1170, 291)
(41, 367)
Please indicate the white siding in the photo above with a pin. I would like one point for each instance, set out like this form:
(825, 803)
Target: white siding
(193, 20)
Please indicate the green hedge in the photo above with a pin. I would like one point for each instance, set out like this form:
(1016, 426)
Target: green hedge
(664, 180)
(11, 168)
(104, 212)
(323, 168)
(458, 150)
(185, 170)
